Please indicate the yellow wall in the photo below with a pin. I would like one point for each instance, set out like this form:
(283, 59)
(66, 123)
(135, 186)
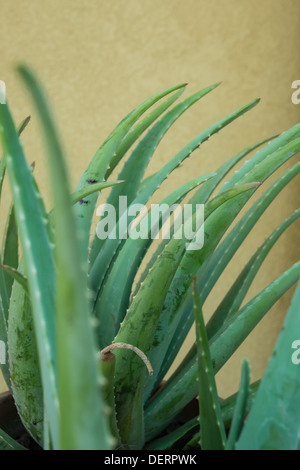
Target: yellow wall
(100, 58)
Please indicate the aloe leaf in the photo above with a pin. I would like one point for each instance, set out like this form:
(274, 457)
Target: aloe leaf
(104, 258)
(108, 369)
(182, 389)
(81, 194)
(210, 262)
(20, 129)
(114, 298)
(273, 422)
(228, 405)
(133, 134)
(236, 294)
(81, 426)
(171, 438)
(16, 275)
(212, 431)
(227, 408)
(9, 240)
(136, 165)
(10, 249)
(25, 378)
(273, 146)
(7, 443)
(240, 407)
(104, 162)
(38, 257)
(139, 325)
(203, 194)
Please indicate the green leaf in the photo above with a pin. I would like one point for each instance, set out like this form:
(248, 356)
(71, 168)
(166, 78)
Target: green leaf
(210, 262)
(25, 377)
(131, 164)
(79, 195)
(17, 276)
(21, 128)
(104, 259)
(181, 388)
(38, 256)
(82, 421)
(7, 443)
(136, 165)
(171, 438)
(273, 422)
(113, 301)
(228, 405)
(212, 431)
(139, 325)
(10, 249)
(104, 162)
(236, 294)
(240, 407)
(203, 194)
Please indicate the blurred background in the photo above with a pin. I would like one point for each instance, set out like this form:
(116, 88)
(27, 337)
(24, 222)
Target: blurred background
(100, 59)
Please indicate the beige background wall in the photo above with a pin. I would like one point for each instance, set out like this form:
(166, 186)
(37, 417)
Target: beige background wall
(98, 59)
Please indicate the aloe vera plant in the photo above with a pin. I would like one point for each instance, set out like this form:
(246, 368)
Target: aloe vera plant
(90, 335)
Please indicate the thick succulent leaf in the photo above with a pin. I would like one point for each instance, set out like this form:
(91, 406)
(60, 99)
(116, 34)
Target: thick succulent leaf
(138, 129)
(10, 249)
(182, 388)
(38, 257)
(212, 431)
(82, 421)
(20, 129)
(169, 440)
(7, 443)
(240, 407)
(108, 369)
(104, 162)
(210, 262)
(25, 377)
(139, 325)
(249, 166)
(134, 169)
(228, 407)
(203, 193)
(229, 404)
(113, 301)
(236, 294)
(2, 173)
(273, 422)
(104, 258)
(81, 194)
(4, 299)
(126, 173)
(16, 275)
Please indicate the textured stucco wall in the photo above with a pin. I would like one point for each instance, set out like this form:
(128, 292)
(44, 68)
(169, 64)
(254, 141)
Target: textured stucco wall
(98, 59)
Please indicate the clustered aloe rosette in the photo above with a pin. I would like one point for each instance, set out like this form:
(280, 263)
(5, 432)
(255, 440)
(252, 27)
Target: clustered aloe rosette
(72, 304)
